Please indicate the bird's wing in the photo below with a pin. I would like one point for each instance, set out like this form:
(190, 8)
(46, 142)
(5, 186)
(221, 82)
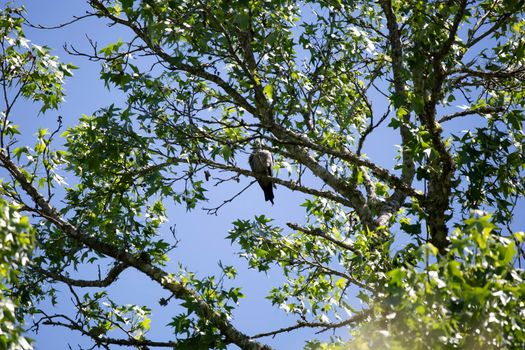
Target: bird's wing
(261, 162)
(269, 163)
(251, 161)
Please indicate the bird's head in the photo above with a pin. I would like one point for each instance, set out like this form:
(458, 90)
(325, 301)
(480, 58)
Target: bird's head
(257, 144)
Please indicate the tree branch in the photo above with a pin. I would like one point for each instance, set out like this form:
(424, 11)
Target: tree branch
(394, 202)
(497, 24)
(98, 339)
(167, 281)
(294, 186)
(439, 184)
(355, 319)
(518, 73)
(480, 110)
(319, 233)
(110, 278)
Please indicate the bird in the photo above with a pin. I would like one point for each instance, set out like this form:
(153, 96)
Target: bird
(261, 162)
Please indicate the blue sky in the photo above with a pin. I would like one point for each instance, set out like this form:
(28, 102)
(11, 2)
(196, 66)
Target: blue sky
(202, 236)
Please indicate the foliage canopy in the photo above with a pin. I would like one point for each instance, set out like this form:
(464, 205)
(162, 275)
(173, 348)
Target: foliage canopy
(314, 81)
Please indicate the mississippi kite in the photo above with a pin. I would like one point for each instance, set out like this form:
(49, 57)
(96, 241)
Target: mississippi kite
(261, 162)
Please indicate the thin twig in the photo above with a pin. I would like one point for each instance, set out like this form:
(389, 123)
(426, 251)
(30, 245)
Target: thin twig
(61, 25)
(213, 211)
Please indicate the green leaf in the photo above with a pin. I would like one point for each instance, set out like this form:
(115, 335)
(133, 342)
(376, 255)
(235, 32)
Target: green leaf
(145, 324)
(268, 92)
(454, 268)
(396, 276)
(510, 251)
(341, 283)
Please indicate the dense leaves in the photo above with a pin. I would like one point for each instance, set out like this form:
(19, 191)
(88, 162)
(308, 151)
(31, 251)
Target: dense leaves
(16, 243)
(470, 299)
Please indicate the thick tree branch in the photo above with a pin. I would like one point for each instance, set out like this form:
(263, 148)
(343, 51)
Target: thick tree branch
(396, 48)
(350, 157)
(394, 202)
(439, 184)
(445, 48)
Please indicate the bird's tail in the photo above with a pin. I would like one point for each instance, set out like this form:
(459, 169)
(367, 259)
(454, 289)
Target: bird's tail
(268, 194)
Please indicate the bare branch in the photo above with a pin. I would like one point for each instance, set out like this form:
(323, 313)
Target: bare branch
(215, 210)
(361, 316)
(518, 73)
(61, 25)
(110, 278)
(480, 110)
